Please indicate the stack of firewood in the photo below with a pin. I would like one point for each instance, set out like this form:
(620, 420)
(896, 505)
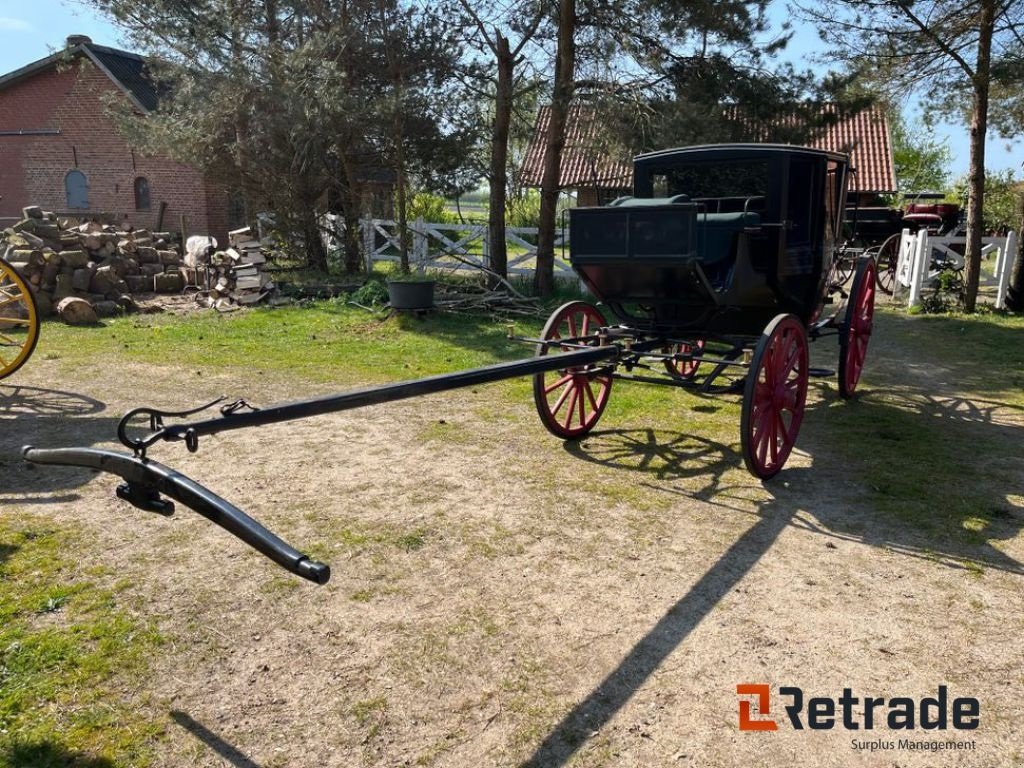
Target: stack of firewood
(234, 275)
(100, 264)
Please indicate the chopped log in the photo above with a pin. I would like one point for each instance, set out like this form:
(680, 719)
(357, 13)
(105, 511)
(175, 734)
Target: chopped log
(50, 272)
(44, 304)
(31, 240)
(80, 279)
(107, 308)
(75, 311)
(74, 259)
(139, 283)
(168, 282)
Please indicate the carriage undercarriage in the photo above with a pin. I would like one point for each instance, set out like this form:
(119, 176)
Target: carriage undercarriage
(771, 371)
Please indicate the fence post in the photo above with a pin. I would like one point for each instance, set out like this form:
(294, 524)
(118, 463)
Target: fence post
(369, 241)
(419, 244)
(486, 250)
(1007, 256)
(919, 269)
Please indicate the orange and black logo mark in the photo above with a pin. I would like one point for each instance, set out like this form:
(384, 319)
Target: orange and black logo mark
(853, 713)
(763, 697)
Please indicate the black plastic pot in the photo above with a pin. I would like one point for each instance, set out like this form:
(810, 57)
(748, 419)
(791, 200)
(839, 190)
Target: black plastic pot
(411, 294)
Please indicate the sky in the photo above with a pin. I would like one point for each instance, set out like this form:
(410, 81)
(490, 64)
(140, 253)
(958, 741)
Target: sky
(32, 29)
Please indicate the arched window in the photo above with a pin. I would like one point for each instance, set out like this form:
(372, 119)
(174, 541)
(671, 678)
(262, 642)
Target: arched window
(76, 189)
(141, 194)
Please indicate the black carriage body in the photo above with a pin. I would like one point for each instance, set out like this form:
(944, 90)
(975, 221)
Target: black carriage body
(717, 240)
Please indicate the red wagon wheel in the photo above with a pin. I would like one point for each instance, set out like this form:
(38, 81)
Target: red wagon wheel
(886, 261)
(856, 329)
(570, 401)
(774, 396)
(684, 369)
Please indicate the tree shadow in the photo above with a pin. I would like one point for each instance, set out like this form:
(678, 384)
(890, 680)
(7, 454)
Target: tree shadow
(225, 750)
(46, 754)
(665, 637)
(46, 418)
(6, 552)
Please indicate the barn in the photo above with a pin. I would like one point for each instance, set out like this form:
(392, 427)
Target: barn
(60, 150)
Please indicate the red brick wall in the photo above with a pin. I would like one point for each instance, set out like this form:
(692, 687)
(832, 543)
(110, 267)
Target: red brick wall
(33, 168)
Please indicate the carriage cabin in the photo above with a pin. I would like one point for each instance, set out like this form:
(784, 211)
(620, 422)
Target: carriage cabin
(720, 238)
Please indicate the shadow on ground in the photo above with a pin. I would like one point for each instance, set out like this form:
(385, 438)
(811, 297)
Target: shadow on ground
(46, 418)
(226, 751)
(898, 462)
(46, 754)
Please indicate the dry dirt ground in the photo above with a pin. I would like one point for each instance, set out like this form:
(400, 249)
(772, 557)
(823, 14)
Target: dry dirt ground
(501, 599)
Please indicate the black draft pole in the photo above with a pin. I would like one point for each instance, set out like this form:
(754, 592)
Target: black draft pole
(388, 392)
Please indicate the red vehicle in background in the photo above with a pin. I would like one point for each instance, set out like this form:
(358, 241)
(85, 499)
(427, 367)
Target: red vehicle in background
(876, 230)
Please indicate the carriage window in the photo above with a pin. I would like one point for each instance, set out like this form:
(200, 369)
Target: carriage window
(798, 210)
(76, 189)
(659, 185)
(141, 194)
(720, 186)
(833, 194)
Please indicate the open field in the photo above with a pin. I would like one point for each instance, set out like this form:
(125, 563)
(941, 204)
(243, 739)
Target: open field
(500, 598)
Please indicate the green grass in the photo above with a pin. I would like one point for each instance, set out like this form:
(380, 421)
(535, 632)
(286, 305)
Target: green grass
(67, 650)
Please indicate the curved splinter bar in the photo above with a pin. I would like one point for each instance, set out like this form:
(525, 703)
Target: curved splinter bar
(145, 480)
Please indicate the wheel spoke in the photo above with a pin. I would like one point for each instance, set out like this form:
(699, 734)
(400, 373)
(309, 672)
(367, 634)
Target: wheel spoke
(561, 400)
(557, 384)
(582, 405)
(590, 396)
(572, 326)
(774, 443)
(571, 411)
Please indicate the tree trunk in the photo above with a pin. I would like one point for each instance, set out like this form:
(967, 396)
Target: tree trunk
(350, 211)
(976, 174)
(316, 251)
(403, 207)
(499, 156)
(565, 60)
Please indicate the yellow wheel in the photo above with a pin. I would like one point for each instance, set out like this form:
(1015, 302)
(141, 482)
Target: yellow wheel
(19, 321)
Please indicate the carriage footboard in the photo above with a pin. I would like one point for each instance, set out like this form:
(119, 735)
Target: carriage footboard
(145, 481)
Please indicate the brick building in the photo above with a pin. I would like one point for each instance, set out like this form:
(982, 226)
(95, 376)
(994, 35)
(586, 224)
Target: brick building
(60, 150)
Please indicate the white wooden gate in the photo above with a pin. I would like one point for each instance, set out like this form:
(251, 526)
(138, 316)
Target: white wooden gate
(450, 246)
(922, 256)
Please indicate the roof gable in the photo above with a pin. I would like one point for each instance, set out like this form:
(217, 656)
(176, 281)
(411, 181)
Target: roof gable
(864, 136)
(126, 70)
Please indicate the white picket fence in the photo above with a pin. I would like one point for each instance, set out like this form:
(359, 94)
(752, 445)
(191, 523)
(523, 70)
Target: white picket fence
(919, 252)
(449, 246)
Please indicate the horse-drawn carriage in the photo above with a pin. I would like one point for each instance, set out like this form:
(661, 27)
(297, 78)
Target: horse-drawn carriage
(713, 276)
(876, 231)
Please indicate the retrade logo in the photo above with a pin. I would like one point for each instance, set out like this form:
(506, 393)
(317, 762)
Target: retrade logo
(853, 713)
(763, 694)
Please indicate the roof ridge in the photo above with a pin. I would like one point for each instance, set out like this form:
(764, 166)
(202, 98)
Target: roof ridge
(115, 51)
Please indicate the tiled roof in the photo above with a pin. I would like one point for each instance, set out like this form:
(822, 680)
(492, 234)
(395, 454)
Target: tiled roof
(864, 136)
(585, 163)
(127, 70)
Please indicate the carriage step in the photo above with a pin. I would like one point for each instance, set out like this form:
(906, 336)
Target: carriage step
(821, 373)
